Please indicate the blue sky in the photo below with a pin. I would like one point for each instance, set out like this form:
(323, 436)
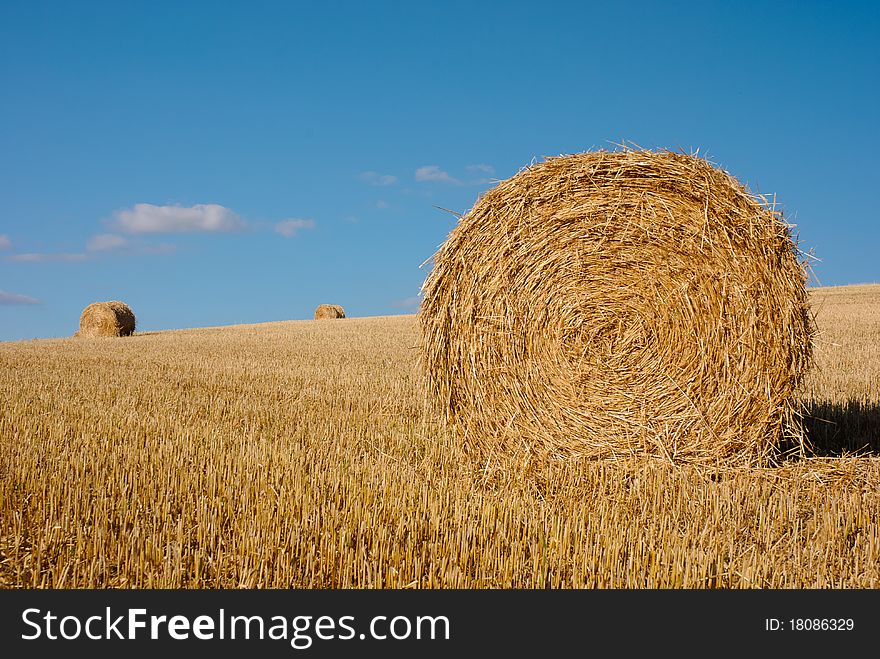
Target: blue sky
(238, 162)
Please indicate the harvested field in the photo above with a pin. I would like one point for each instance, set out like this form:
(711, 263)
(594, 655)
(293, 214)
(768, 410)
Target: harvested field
(301, 454)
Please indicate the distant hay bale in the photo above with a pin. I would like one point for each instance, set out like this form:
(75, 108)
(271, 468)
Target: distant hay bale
(329, 311)
(611, 304)
(112, 318)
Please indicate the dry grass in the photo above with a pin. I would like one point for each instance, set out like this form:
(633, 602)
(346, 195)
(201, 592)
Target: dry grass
(111, 318)
(843, 399)
(617, 304)
(300, 454)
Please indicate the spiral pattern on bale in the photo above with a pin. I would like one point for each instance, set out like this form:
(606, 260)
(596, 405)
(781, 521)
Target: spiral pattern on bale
(113, 318)
(614, 304)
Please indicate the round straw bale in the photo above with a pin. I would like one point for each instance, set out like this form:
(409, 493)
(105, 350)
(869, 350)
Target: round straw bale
(112, 318)
(610, 304)
(329, 311)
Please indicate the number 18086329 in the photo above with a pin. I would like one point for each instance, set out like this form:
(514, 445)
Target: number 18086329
(809, 624)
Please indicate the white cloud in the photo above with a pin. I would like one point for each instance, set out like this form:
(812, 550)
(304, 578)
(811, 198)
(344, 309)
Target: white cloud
(408, 302)
(382, 204)
(375, 178)
(102, 242)
(434, 173)
(147, 218)
(289, 228)
(15, 298)
(164, 248)
(5, 243)
(481, 174)
(482, 167)
(105, 241)
(43, 257)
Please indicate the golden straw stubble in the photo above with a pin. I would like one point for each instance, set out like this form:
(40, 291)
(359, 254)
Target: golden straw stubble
(609, 304)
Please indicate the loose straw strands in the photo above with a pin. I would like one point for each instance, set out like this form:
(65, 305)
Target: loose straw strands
(609, 304)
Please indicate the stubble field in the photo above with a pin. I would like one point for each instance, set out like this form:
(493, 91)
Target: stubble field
(301, 454)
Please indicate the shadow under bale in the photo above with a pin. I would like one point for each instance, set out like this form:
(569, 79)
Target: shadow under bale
(835, 429)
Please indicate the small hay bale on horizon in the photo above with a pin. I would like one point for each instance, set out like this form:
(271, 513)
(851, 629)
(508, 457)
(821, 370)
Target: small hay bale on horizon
(329, 311)
(112, 318)
(619, 304)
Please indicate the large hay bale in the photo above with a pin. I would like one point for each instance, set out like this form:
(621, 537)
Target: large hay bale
(112, 318)
(610, 304)
(329, 311)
